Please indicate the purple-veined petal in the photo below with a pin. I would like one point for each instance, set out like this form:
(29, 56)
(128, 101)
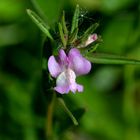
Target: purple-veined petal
(78, 63)
(54, 67)
(91, 39)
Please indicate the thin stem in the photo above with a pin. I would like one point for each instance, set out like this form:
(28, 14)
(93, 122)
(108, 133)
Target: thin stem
(49, 128)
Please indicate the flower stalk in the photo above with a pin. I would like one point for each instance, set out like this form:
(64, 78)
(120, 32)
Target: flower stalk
(49, 123)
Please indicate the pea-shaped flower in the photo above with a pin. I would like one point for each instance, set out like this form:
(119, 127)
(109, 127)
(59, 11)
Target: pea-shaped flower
(65, 68)
(91, 39)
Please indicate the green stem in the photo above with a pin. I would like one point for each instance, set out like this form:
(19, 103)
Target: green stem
(49, 128)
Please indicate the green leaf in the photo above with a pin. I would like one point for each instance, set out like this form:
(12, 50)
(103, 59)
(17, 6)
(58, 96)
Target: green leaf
(66, 121)
(110, 59)
(40, 23)
(62, 35)
(62, 103)
(64, 25)
(89, 31)
(75, 19)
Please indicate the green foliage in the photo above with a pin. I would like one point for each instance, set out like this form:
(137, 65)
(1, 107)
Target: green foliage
(40, 23)
(121, 30)
(10, 14)
(110, 59)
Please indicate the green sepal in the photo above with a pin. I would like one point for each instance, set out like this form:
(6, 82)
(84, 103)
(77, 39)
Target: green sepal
(75, 19)
(73, 36)
(89, 49)
(89, 31)
(101, 58)
(63, 39)
(40, 23)
(93, 46)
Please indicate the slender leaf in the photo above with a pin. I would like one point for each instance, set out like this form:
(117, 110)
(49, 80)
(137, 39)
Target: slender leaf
(75, 19)
(64, 25)
(62, 103)
(62, 35)
(110, 59)
(40, 23)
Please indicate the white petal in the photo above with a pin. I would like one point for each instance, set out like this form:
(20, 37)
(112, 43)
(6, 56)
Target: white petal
(62, 80)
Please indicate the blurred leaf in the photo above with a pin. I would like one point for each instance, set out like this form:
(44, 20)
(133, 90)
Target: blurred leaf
(90, 4)
(11, 10)
(114, 5)
(49, 9)
(111, 76)
(40, 23)
(11, 34)
(110, 59)
(117, 33)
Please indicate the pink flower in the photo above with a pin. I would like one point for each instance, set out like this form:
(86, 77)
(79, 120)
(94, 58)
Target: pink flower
(66, 68)
(91, 39)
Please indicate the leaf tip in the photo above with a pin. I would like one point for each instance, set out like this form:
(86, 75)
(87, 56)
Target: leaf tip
(28, 10)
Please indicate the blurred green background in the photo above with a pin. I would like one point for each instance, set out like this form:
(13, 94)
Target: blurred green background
(111, 99)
